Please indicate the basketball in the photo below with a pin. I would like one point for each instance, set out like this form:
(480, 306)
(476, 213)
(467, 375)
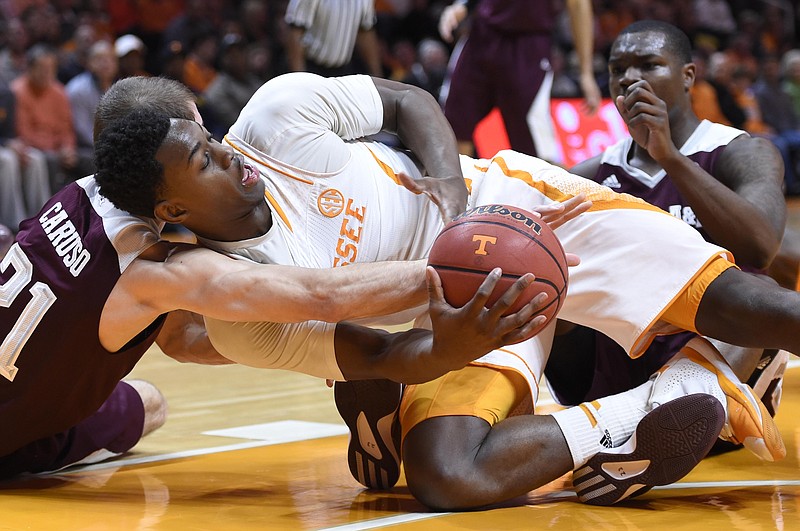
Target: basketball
(503, 236)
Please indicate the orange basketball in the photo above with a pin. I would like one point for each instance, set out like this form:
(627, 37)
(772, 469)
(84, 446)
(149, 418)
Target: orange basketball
(503, 236)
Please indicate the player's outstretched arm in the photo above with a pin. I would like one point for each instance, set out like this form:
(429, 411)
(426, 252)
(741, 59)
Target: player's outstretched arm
(210, 284)
(236, 290)
(458, 336)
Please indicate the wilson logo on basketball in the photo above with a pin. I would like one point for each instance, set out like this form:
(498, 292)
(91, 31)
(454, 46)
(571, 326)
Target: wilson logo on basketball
(503, 210)
(330, 203)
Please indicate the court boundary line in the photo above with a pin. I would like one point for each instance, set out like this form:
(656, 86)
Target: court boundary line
(385, 521)
(132, 461)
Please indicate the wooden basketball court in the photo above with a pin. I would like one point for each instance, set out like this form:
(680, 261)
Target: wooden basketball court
(255, 449)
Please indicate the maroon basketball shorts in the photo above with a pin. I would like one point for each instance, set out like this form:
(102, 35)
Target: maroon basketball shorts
(113, 429)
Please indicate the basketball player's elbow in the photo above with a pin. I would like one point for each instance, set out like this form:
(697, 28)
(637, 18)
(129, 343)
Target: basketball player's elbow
(760, 255)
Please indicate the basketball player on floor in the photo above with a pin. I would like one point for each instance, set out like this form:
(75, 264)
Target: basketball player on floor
(61, 398)
(718, 179)
(285, 130)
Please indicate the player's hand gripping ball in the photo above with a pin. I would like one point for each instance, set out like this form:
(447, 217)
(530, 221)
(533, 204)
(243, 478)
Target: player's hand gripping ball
(503, 236)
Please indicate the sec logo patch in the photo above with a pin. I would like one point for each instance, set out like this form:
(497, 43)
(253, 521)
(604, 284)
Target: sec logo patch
(330, 203)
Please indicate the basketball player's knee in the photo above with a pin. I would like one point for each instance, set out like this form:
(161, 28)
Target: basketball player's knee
(155, 405)
(437, 484)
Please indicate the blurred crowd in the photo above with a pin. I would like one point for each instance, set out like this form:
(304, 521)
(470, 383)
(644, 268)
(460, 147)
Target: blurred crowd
(58, 57)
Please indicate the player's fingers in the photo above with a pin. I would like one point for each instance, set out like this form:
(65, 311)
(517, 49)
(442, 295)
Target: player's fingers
(619, 103)
(549, 211)
(526, 313)
(576, 202)
(641, 112)
(572, 259)
(571, 213)
(511, 295)
(638, 90)
(527, 321)
(435, 291)
(572, 208)
(527, 331)
(478, 301)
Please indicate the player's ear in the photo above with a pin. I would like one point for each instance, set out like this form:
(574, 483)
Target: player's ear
(689, 75)
(170, 212)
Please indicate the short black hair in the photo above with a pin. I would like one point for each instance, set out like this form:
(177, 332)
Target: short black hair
(125, 156)
(677, 41)
(156, 93)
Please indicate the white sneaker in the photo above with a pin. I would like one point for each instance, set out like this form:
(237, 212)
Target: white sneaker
(699, 368)
(667, 444)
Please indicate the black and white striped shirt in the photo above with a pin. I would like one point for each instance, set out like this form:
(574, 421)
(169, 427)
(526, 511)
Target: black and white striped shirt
(331, 27)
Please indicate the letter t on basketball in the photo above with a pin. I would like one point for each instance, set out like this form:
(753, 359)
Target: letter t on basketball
(483, 241)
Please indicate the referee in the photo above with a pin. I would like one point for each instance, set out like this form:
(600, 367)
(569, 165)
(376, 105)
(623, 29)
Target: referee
(323, 35)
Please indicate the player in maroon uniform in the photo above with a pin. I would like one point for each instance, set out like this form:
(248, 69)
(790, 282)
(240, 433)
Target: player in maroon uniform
(504, 62)
(716, 178)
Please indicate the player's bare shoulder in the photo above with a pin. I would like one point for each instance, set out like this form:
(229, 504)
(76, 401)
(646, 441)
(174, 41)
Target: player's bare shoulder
(748, 160)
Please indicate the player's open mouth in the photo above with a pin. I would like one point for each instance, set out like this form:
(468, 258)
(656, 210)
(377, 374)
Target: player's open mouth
(249, 175)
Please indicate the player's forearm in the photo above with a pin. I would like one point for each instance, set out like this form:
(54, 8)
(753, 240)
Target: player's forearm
(408, 357)
(236, 290)
(580, 13)
(291, 294)
(423, 128)
(368, 290)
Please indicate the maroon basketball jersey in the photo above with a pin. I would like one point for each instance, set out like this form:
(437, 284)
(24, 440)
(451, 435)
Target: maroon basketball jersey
(54, 282)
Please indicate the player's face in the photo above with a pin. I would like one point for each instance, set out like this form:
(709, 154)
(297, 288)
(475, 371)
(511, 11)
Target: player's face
(211, 189)
(645, 56)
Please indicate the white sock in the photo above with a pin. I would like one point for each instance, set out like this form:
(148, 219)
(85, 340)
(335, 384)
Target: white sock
(593, 427)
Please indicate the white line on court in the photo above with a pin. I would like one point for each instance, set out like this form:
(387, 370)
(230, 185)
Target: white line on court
(383, 522)
(280, 432)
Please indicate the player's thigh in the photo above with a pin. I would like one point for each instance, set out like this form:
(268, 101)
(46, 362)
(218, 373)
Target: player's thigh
(525, 63)
(743, 308)
(470, 94)
(483, 393)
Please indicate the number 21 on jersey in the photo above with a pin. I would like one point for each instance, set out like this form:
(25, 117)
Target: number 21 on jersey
(42, 297)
